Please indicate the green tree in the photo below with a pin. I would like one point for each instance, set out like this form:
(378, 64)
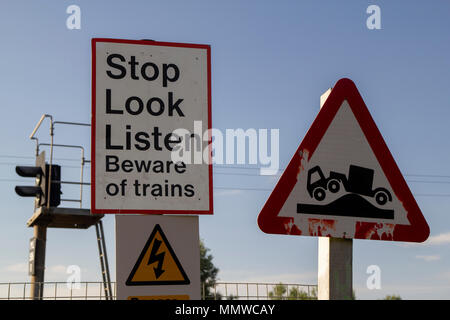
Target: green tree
(393, 297)
(208, 272)
(296, 294)
(278, 292)
(313, 293)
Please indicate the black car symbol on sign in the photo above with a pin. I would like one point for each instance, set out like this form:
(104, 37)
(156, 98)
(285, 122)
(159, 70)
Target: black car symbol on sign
(359, 181)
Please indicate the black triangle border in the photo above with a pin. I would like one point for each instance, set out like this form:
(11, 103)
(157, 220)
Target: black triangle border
(129, 281)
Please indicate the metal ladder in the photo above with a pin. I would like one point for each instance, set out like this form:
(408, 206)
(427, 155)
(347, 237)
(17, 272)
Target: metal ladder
(103, 260)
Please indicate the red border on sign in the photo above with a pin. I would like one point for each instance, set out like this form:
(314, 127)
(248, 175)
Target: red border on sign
(345, 89)
(94, 210)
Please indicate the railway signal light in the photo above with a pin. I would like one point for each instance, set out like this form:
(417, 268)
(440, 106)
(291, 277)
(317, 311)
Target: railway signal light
(41, 171)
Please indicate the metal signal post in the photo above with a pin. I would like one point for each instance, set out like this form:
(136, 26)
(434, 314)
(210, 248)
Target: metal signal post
(48, 214)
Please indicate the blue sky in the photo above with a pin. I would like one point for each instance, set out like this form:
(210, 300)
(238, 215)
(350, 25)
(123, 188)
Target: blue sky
(271, 61)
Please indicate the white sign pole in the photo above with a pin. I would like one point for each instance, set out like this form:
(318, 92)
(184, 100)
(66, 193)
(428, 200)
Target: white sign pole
(335, 259)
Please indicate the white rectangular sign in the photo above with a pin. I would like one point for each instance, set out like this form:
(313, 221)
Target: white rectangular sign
(141, 92)
(157, 257)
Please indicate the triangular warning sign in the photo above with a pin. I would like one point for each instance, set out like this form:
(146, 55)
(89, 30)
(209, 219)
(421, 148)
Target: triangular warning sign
(342, 181)
(157, 264)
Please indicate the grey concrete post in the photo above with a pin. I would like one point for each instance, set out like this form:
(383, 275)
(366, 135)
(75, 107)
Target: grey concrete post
(37, 280)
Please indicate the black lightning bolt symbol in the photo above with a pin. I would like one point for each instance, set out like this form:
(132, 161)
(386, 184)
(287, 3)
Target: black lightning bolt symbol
(157, 258)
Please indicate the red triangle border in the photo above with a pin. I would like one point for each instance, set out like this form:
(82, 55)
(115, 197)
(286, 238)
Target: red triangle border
(345, 89)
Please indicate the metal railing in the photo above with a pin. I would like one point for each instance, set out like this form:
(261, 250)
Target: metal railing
(52, 145)
(259, 291)
(220, 291)
(55, 291)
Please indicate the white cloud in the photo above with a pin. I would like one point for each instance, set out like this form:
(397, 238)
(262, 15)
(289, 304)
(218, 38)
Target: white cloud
(428, 258)
(50, 271)
(439, 239)
(443, 238)
(17, 267)
(57, 269)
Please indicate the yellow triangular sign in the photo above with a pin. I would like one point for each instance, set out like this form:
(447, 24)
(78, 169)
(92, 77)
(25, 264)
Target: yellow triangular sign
(157, 263)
